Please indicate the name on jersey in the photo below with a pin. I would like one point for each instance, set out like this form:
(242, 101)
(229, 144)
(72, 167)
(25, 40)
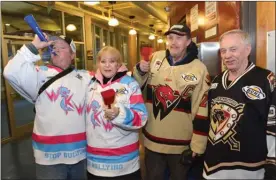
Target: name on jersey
(253, 92)
(105, 167)
(189, 77)
(57, 155)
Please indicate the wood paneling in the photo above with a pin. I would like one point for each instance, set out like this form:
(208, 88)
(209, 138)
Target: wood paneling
(88, 40)
(132, 51)
(265, 23)
(228, 17)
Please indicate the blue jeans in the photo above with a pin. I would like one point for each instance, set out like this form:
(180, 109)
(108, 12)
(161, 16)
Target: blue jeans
(62, 171)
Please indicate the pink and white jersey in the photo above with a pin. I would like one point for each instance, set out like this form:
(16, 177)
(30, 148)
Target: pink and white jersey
(113, 146)
(59, 126)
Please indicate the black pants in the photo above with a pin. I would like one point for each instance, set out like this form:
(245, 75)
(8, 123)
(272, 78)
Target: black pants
(157, 164)
(133, 176)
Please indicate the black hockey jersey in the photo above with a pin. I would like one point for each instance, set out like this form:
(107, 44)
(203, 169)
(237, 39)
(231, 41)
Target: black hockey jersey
(242, 115)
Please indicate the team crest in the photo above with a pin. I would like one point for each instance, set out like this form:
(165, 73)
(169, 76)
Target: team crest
(189, 77)
(157, 64)
(253, 92)
(164, 100)
(79, 76)
(214, 86)
(225, 113)
(122, 90)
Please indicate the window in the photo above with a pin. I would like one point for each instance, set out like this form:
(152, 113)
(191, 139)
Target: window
(79, 60)
(124, 48)
(105, 38)
(102, 37)
(14, 24)
(74, 30)
(112, 39)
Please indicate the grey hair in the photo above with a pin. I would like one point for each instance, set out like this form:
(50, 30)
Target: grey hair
(244, 35)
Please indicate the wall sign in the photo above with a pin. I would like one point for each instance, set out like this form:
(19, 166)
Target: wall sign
(194, 18)
(210, 12)
(212, 32)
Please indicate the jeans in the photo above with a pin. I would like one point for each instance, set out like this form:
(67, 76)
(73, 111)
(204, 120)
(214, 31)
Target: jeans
(162, 166)
(62, 171)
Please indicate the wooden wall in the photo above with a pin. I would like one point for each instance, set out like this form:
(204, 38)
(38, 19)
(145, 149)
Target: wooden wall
(132, 51)
(265, 23)
(88, 41)
(228, 17)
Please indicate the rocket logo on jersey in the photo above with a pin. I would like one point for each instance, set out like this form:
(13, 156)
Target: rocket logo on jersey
(225, 114)
(253, 92)
(96, 116)
(164, 99)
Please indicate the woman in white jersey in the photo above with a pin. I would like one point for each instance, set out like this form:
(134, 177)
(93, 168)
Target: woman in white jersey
(112, 133)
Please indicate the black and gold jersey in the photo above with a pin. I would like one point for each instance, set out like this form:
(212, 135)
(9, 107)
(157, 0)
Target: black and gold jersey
(241, 139)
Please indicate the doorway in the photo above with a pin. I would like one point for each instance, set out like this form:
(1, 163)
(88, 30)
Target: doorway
(17, 115)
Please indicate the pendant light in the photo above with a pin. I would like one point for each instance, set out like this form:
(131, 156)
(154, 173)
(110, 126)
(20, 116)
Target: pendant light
(152, 35)
(112, 21)
(160, 39)
(132, 31)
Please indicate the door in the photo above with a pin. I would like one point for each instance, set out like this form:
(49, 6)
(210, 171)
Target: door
(19, 112)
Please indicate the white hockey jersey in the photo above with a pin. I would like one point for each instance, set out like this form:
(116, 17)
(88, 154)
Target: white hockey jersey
(59, 126)
(113, 146)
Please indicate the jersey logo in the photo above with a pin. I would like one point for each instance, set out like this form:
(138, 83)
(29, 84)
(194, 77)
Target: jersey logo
(79, 76)
(214, 86)
(122, 90)
(164, 99)
(253, 92)
(189, 77)
(225, 113)
(157, 64)
(96, 117)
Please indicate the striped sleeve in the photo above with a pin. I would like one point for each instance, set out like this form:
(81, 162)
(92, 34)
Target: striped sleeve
(135, 115)
(270, 166)
(200, 112)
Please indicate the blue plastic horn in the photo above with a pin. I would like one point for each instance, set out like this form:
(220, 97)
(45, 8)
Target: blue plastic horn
(33, 24)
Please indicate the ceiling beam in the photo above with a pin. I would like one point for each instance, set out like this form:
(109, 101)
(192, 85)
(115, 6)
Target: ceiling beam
(153, 10)
(118, 6)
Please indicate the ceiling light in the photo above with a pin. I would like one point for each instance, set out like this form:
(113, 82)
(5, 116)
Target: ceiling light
(71, 27)
(113, 21)
(7, 24)
(91, 3)
(151, 37)
(201, 21)
(160, 40)
(132, 32)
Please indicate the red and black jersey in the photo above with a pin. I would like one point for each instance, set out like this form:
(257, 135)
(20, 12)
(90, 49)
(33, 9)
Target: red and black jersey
(176, 99)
